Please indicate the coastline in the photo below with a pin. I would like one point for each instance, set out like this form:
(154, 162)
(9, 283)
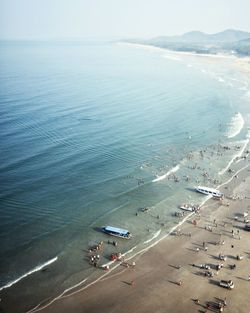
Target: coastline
(243, 63)
(152, 285)
(74, 291)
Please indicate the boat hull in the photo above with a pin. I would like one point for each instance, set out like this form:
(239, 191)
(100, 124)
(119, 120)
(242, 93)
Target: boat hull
(209, 191)
(116, 232)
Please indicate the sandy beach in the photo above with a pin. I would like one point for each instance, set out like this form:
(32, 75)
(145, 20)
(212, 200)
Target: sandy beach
(169, 277)
(242, 63)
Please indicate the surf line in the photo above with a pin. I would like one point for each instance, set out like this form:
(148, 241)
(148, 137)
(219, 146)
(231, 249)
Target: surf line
(38, 307)
(237, 123)
(235, 157)
(142, 251)
(37, 268)
(173, 170)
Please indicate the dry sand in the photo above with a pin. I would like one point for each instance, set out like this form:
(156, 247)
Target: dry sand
(152, 285)
(241, 63)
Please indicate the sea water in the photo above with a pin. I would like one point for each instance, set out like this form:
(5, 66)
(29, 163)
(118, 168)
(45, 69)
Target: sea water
(93, 132)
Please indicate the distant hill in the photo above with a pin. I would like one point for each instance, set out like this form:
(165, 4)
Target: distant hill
(228, 35)
(229, 41)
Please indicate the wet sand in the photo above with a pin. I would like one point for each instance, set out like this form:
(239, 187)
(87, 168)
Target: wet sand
(153, 284)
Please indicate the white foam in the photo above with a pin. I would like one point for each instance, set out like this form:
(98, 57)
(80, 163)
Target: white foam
(238, 155)
(154, 236)
(235, 126)
(36, 269)
(171, 57)
(129, 251)
(39, 307)
(231, 178)
(221, 80)
(173, 170)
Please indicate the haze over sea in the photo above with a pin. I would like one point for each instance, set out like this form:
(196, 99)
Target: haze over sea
(92, 132)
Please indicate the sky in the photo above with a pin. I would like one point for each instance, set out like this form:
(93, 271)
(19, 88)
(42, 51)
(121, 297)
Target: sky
(73, 19)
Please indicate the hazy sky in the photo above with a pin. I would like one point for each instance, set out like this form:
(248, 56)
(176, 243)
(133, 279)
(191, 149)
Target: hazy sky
(50, 19)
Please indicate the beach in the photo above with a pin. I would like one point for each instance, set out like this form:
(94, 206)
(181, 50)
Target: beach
(242, 63)
(105, 172)
(168, 277)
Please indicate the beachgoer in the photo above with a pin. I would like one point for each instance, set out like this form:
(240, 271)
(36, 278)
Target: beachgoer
(132, 283)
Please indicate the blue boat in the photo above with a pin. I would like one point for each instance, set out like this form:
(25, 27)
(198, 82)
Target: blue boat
(117, 232)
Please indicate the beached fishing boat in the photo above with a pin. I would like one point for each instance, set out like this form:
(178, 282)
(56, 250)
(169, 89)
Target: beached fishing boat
(209, 191)
(187, 207)
(117, 232)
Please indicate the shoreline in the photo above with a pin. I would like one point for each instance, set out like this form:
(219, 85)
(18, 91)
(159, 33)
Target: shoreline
(115, 289)
(119, 278)
(117, 270)
(243, 63)
(86, 283)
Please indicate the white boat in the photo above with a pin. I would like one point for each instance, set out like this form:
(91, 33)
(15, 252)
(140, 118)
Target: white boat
(209, 191)
(187, 207)
(117, 232)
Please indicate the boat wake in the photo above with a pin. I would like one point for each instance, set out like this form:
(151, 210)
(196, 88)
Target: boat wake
(36, 269)
(235, 126)
(173, 170)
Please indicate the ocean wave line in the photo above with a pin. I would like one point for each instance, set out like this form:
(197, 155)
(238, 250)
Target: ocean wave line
(154, 236)
(236, 125)
(37, 268)
(238, 155)
(38, 307)
(142, 251)
(173, 170)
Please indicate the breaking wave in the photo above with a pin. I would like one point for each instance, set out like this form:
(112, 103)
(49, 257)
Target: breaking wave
(236, 156)
(235, 126)
(173, 170)
(36, 269)
(154, 236)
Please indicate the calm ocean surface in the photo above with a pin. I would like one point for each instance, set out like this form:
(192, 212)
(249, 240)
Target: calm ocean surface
(89, 134)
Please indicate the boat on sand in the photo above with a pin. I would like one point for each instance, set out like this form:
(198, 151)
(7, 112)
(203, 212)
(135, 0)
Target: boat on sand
(209, 191)
(187, 207)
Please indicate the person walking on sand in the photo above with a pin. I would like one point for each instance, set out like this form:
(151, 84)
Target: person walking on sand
(225, 302)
